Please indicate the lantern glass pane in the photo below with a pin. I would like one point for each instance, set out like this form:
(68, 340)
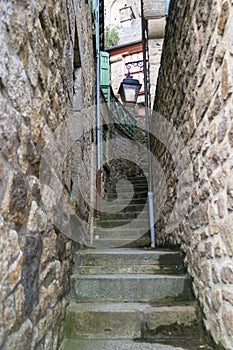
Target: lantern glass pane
(130, 92)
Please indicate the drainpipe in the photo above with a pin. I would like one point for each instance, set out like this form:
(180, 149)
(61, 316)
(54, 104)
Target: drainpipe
(150, 187)
(167, 7)
(98, 139)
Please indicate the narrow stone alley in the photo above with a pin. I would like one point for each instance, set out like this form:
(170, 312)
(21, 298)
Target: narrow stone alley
(90, 175)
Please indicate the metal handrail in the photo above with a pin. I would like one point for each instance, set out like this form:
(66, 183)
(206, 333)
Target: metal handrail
(125, 120)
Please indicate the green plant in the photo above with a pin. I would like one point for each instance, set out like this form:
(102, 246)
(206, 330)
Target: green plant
(111, 36)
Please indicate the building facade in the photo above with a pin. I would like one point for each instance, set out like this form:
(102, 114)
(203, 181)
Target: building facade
(125, 17)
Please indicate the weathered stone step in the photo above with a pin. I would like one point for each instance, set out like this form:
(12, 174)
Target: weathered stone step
(140, 241)
(120, 237)
(129, 288)
(125, 201)
(124, 215)
(130, 227)
(130, 189)
(129, 320)
(95, 344)
(139, 269)
(138, 179)
(97, 261)
(124, 207)
(111, 243)
(119, 233)
(126, 195)
(142, 223)
(135, 184)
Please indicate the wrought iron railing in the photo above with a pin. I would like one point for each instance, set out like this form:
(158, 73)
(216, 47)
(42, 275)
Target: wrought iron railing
(123, 118)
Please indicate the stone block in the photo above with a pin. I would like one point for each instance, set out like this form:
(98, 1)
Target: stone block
(117, 321)
(223, 17)
(227, 274)
(16, 198)
(227, 295)
(21, 338)
(154, 9)
(129, 261)
(129, 287)
(37, 219)
(156, 28)
(115, 345)
(216, 297)
(227, 316)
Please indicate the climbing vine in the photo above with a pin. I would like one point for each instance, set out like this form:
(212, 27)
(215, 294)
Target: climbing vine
(111, 36)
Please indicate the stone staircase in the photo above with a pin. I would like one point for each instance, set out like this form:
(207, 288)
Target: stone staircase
(131, 298)
(124, 215)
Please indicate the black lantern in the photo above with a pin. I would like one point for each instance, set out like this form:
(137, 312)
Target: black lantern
(129, 90)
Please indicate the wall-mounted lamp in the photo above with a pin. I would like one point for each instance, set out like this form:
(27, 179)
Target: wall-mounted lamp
(129, 88)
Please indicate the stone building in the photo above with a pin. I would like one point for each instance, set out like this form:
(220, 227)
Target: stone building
(194, 148)
(118, 11)
(47, 74)
(125, 17)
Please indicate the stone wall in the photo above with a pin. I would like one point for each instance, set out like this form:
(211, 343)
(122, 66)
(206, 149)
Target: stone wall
(194, 94)
(155, 50)
(113, 14)
(154, 8)
(41, 44)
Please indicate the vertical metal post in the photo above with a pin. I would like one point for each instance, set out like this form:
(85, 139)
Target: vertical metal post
(150, 189)
(98, 138)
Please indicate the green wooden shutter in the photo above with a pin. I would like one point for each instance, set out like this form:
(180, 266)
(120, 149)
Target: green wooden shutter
(93, 6)
(94, 10)
(105, 74)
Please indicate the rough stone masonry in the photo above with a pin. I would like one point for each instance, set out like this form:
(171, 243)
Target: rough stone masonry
(42, 43)
(194, 93)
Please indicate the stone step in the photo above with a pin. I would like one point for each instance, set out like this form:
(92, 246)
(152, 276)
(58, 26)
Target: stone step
(125, 190)
(130, 288)
(142, 223)
(137, 179)
(127, 198)
(130, 188)
(96, 344)
(111, 243)
(135, 184)
(124, 215)
(124, 207)
(132, 228)
(125, 195)
(119, 233)
(129, 320)
(120, 261)
(140, 241)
